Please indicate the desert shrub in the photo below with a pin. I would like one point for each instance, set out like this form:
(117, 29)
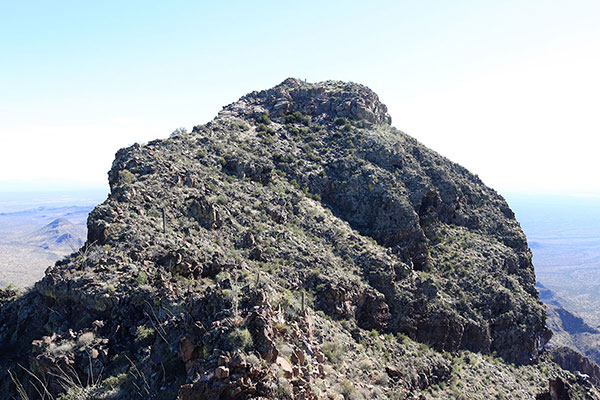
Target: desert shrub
(264, 118)
(142, 278)
(262, 128)
(347, 389)
(126, 177)
(343, 123)
(293, 130)
(61, 349)
(284, 389)
(179, 131)
(333, 351)
(381, 378)
(144, 335)
(402, 338)
(240, 338)
(297, 118)
(252, 359)
(285, 350)
(340, 121)
(221, 276)
(115, 382)
(365, 364)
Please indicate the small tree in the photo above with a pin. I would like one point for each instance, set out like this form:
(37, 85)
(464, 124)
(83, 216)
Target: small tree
(179, 131)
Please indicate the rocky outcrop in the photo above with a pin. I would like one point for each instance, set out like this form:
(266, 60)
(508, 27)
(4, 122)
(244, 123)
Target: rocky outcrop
(557, 390)
(323, 102)
(573, 361)
(297, 246)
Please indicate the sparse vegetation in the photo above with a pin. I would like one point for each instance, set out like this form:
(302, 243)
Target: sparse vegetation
(256, 282)
(144, 335)
(240, 338)
(264, 118)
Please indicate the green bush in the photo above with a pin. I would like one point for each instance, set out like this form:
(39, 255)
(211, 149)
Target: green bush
(240, 338)
(115, 382)
(179, 131)
(293, 130)
(340, 121)
(126, 177)
(333, 351)
(144, 335)
(297, 118)
(264, 118)
(265, 129)
(343, 123)
(142, 278)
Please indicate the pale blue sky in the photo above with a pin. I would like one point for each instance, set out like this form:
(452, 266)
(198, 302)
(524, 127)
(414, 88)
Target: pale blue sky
(508, 89)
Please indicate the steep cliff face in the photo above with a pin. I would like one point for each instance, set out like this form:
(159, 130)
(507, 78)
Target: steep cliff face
(295, 246)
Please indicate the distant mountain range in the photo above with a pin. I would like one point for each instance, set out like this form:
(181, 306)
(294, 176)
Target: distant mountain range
(32, 240)
(568, 328)
(59, 234)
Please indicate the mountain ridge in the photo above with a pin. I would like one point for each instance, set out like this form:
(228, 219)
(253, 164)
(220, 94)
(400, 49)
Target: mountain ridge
(297, 246)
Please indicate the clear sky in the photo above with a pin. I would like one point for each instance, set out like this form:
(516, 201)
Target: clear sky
(509, 89)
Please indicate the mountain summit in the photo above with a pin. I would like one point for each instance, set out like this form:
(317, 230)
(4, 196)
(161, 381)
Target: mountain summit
(323, 102)
(297, 246)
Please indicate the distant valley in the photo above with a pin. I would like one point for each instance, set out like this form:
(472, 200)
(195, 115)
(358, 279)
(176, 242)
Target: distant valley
(564, 236)
(33, 239)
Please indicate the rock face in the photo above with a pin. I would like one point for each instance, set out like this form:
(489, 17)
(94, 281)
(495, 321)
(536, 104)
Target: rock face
(572, 361)
(295, 246)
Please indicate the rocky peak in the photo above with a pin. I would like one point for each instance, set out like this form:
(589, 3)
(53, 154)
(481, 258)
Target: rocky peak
(306, 252)
(324, 102)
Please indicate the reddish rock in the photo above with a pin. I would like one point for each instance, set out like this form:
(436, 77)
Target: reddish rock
(557, 390)
(188, 352)
(320, 357)
(298, 357)
(321, 370)
(263, 335)
(393, 372)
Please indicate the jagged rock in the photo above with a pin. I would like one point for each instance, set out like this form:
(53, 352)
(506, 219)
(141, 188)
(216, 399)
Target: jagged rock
(222, 372)
(223, 360)
(249, 241)
(188, 352)
(205, 213)
(393, 372)
(373, 312)
(286, 367)
(263, 335)
(298, 357)
(572, 361)
(558, 390)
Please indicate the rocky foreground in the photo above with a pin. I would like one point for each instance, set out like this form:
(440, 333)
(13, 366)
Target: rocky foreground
(297, 246)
